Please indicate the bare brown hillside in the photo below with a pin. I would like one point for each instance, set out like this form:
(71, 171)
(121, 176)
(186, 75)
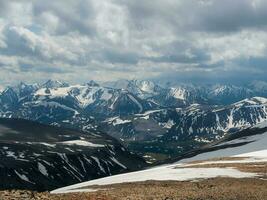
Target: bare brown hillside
(210, 189)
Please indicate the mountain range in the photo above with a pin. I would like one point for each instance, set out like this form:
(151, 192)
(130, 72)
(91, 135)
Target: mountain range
(156, 121)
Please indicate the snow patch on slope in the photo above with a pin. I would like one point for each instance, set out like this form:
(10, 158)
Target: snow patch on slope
(119, 121)
(81, 143)
(255, 143)
(164, 173)
(255, 154)
(42, 169)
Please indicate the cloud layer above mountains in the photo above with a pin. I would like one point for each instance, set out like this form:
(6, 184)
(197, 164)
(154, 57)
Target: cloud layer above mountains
(187, 40)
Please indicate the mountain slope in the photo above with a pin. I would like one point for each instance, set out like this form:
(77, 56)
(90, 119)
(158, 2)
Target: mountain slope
(40, 157)
(247, 147)
(252, 139)
(170, 132)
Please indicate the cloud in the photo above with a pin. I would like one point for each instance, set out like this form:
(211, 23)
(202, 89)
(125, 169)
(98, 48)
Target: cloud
(111, 39)
(65, 16)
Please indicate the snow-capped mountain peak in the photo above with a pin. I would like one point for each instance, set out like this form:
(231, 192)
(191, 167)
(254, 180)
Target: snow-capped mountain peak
(145, 86)
(93, 83)
(178, 93)
(54, 84)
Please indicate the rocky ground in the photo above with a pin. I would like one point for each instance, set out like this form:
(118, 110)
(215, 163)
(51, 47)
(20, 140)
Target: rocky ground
(210, 189)
(260, 168)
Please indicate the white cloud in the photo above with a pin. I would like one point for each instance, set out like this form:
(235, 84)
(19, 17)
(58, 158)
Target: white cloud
(113, 39)
(240, 45)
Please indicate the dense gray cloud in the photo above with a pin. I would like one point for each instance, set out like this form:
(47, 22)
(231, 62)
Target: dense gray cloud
(78, 40)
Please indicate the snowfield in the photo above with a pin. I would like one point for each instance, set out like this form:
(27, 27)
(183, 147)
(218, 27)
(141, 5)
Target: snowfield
(257, 154)
(258, 143)
(160, 174)
(255, 151)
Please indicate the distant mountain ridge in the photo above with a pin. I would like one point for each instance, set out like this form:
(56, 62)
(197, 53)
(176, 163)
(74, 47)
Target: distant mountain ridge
(142, 91)
(147, 116)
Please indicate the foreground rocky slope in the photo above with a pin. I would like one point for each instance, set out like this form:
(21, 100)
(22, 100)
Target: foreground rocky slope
(40, 157)
(212, 189)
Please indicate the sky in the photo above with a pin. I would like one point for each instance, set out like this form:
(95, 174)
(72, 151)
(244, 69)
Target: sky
(105, 40)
